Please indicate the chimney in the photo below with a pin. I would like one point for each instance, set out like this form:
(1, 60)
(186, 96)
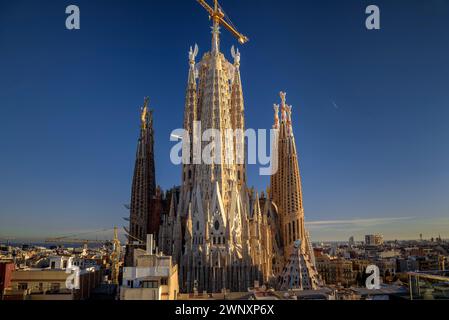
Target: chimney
(149, 244)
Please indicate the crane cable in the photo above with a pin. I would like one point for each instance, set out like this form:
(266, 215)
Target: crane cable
(228, 20)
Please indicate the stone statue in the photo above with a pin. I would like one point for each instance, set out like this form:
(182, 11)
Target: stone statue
(236, 55)
(192, 55)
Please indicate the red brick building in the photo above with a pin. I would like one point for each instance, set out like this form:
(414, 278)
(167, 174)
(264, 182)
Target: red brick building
(6, 269)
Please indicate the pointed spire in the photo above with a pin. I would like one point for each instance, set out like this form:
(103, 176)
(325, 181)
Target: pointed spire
(283, 110)
(189, 228)
(144, 113)
(215, 37)
(216, 29)
(289, 120)
(172, 205)
(299, 273)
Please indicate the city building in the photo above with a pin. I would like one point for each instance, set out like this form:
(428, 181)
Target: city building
(374, 240)
(336, 271)
(351, 241)
(52, 283)
(6, 270)
(154, 276)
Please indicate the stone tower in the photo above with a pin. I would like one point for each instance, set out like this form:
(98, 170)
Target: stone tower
(286, 190)
(144, 217)
(215, 203)
(222, 234)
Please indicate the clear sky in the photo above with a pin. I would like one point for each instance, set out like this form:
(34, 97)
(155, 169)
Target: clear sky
(371, 108)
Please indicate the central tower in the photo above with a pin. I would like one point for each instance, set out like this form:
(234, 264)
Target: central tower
(214, 200)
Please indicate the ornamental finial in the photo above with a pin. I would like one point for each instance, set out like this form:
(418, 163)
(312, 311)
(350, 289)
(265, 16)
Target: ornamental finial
(289, 119)
(143, 116)
(236, 55)
(289, 113)
(192, 55)
(283, 96)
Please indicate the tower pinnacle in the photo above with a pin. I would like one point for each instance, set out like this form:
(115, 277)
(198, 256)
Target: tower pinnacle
(144, 114)
(215, 37)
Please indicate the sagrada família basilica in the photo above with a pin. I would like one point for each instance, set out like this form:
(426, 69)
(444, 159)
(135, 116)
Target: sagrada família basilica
(221, 233)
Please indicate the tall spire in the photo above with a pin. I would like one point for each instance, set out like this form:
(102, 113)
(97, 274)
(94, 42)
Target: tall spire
(190, 116)
(144, 183)
(286, 183)
(215, 37)
(238, 118)
(216, 29)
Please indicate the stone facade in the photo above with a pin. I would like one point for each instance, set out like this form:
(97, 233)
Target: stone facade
(220, 232)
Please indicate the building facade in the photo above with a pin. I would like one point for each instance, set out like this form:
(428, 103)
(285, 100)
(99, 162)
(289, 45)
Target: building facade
(222, 234)
(374, 240)
(153, 277)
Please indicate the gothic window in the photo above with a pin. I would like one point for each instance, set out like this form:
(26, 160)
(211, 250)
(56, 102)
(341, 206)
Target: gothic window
(297, 227)
(294, 231)
(216, 225)
(198, 225)
(289, 233)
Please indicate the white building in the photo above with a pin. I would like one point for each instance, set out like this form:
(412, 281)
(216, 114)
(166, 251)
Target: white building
(154, 276)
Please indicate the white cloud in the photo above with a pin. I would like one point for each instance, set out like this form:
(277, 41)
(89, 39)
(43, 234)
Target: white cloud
(356, 222)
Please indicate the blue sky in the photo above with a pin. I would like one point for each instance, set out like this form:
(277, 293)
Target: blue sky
(371, 108)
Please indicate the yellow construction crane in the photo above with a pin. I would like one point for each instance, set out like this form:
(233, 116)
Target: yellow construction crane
(218, 16)
(67, 239)
(115, 258)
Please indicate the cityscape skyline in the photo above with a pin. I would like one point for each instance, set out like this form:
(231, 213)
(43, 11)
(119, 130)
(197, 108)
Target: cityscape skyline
(82, 153)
